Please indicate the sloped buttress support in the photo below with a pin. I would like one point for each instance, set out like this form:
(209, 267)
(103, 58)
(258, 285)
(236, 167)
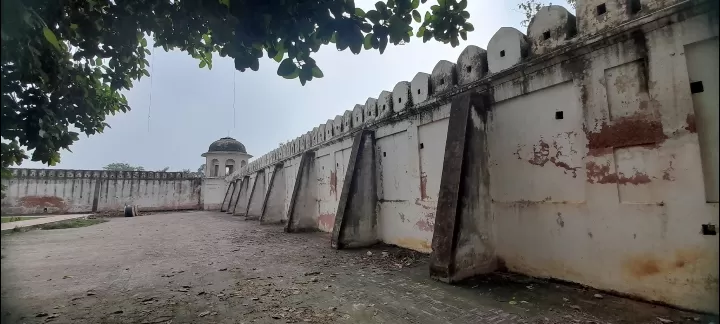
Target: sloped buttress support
(234, 196)
(257, 196)
(303, 212)
(240, 206)
(228, 196)
(274, 203)
(356, 219)
(463, 244)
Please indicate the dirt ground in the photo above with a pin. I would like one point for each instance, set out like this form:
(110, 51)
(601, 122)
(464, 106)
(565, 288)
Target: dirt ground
(210, 267)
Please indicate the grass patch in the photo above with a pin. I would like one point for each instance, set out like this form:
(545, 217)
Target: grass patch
(15, 219)
(72, 223)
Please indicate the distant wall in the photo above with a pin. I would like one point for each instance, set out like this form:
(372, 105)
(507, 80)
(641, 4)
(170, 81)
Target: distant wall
(45, 191)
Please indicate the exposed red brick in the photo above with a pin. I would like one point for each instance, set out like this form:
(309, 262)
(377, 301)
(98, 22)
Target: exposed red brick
(541, 152)
(326, 221)
(42, 201)
(541, 155)
(601, 174)
(636, 179)
(627, 131)
(690, 123)
(423, 186)
(426, 224)
(333, 183)
(666, 173)
(565, 166)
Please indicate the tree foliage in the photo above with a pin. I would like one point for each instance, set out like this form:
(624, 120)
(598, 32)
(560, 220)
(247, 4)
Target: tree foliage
(122, 167)
(65, 63)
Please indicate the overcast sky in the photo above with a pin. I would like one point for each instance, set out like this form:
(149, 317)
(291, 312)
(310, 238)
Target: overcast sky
(192, 107)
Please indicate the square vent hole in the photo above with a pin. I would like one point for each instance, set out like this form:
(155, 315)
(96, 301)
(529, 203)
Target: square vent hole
(601, 9)
(502, 53)
(634, 6)
(546, 35)
(696, 87)
(709, 229)
(558, 115)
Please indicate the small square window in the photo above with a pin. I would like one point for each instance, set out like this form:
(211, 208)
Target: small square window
(634, 6)
(709, 229)
(384, 154)
(546, 35)
(422, 146)
(601, 9)
(384, 107)
(468, 69)
(558, 115)
(502, 53)
(399, 100)
(418, 91)
(442, 81)
(696, 87)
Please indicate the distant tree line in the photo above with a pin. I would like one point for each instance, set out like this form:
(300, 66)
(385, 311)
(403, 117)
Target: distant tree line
(121, 166)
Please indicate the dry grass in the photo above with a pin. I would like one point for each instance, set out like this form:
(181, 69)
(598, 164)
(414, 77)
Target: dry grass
(15, 219)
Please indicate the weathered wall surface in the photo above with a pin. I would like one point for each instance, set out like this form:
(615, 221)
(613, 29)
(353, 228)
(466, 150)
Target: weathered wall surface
(599, 163)
(40, 191)
(257, 196)
(213, 193)
(274, 211)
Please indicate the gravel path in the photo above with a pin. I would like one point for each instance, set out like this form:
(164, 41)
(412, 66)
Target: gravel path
(208, 267)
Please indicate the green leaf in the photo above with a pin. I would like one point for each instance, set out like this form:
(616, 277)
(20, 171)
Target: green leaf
(359, 12)
(468, 26)
(225, 2)
(383, 44)
(317, 73)
(279, 57)
(367, 42)
(50, 37)
(420, 32)
(462, 4)
(374, 16)
(287, 67)
(465, 14)
(293, 75)
(463, 34)
(98, 61)
(202, 64)
(380, 6)
(415, 4)
(143, 42)
(416, 16)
